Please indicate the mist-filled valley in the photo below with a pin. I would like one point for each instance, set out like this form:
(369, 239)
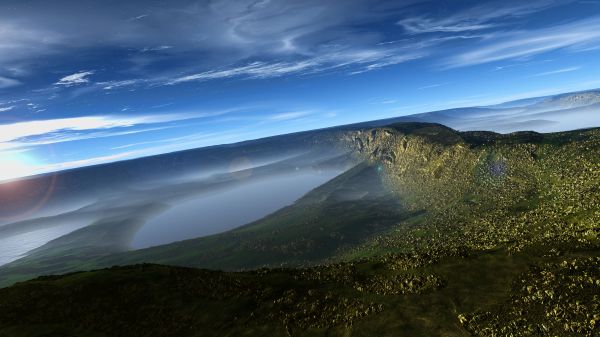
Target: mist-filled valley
(201, 213)
(137, 212)
(229, 208)
(13, 247)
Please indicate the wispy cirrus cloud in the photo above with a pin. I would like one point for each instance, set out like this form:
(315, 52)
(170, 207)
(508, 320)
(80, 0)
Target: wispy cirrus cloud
(390, 61)
(481, 17)
(358, 61)
(75, 79)
(40, 132)
(252, 70)
(111, 85)
(243, 38)
(139, 17)
(353, 61)
(383, 101)
(286, 116)
(251, 40)
(227, 31)
(519, 44)
(25, 134)
(519, 65)
(557, 71)
(419, 25)
(431, 86)
(6, 82)
(154, 49)
(20, 43)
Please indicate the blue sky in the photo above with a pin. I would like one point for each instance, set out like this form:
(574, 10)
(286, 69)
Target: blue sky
(87, 82)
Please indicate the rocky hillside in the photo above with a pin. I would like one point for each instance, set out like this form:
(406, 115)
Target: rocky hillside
(483, 190)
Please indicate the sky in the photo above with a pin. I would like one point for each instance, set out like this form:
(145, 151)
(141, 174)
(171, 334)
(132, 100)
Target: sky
(88, 82)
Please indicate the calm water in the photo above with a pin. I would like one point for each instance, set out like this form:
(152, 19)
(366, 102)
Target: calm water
(227, 209)
(202, 215)
(15, 247)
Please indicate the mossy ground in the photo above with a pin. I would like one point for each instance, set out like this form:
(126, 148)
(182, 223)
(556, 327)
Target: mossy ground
(485, 294)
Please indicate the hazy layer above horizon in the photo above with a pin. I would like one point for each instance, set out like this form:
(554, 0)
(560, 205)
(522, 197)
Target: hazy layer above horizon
(160, 211)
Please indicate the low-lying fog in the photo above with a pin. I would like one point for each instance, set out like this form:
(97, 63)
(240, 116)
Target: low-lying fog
(15, 246)
(228, 208)
(187, 208)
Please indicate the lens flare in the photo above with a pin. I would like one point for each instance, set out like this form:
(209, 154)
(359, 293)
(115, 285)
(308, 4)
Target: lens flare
(15, 165)
(20, 198)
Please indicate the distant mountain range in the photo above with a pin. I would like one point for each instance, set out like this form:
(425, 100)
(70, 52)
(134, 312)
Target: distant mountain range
(554, 113)
(562, 112)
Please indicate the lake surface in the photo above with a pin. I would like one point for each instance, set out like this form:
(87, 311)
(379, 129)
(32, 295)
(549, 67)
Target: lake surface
(16, 246)
(223, 210)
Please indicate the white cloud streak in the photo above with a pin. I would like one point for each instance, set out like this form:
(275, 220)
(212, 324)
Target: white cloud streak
(424, 25)
(364, 59)
(51, 131)
(252, 70)
(249, 39)
(285, 116)
(558, 71)
(75, 79)
(229, 31)
(119, 84)
(6, 82)
(139, 17)
(481, 17)
(19, 43)
(431, 86)
(502, 46)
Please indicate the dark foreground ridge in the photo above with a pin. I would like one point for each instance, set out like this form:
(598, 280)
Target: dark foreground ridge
(487, 294)
(435, 233)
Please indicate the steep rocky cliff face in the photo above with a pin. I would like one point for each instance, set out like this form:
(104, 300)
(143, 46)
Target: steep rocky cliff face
(422, 165)
(483, 190)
